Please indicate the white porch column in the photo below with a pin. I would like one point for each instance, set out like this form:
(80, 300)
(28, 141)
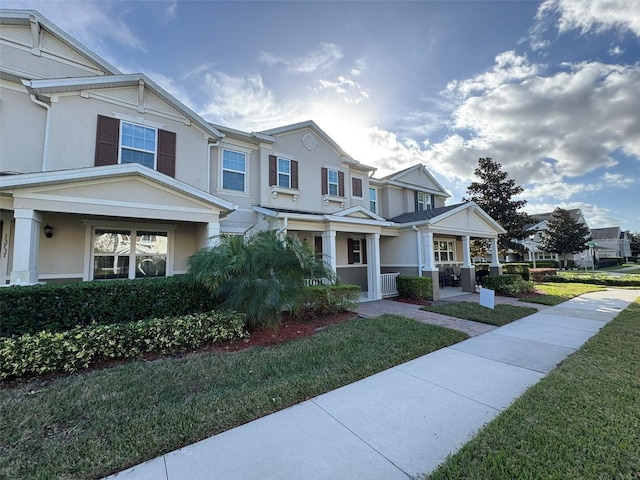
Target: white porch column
(373, 266)
(495, 261)
(329, 249)
(429, 262)
(213, 235)
(466, 251)
(25, 246)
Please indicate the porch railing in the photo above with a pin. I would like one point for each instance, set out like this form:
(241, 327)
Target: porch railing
(388, 284)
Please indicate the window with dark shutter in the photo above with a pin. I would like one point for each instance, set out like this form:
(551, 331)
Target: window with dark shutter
(294, 174)
(273, 170)
(356, 187)
(167, 153)
(325, 181)
(107, 141)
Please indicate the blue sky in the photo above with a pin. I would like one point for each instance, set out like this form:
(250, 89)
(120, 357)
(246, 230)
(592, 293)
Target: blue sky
(550, 90)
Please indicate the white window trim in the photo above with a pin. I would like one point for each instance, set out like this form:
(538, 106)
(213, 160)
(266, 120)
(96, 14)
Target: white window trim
(222, 170)
(436, 241)
(91, 225)
(336, 183)
(278, 173)
(359, 250)
(426, 201)
(120, 146)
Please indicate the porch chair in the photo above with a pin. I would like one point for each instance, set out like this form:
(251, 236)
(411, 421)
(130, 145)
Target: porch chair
(453, 278)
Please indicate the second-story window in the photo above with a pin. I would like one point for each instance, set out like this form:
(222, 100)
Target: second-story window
(373, 200)
(234, 170)
(356, 187)
(284, 172)
(332, 179)
(138, 144)
(423, 201)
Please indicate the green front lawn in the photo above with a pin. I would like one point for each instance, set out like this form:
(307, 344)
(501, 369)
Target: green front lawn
(580, 422)
(556, 293)
(91, 424)
(500, 315)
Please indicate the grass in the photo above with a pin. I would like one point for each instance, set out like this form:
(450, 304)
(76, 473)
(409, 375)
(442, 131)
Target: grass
(91, 424)
(581, 421)
(556, 293)
(500, 315)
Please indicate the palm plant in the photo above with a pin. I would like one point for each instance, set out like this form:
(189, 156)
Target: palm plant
(259, 274)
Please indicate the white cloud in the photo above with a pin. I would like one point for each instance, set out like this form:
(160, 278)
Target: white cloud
(559, 190)
(616, 51)
(592, 15)
(542, 129)
(350, 90)
(326, 55)
(618, 180)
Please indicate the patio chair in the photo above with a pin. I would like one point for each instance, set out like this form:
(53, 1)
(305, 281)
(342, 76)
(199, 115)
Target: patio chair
(453, 278)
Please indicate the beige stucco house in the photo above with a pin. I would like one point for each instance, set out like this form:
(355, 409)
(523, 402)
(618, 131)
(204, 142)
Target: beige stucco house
(106, 175)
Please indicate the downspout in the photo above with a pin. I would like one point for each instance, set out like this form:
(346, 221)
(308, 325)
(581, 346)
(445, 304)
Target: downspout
(45, 152)
(419, 249)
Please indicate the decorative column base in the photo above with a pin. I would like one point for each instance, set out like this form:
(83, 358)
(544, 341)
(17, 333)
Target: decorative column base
(468, 279)
(496, 270)
(434, 275)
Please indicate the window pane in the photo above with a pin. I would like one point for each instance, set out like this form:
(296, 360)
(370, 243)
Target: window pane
(151, 266)
(372, 194)
(233, 181)
(333, 189)
(283, 165)
(283, 180)
(333, 176)
(134, 156)
(233, 160)
(139, 137)
(112, 241)
(151, 243)
(105, 267)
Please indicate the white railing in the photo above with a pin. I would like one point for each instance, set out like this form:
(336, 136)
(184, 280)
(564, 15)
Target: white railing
(388, 284)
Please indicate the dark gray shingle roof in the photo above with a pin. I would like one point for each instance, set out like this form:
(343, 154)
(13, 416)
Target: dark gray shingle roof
(423, 214)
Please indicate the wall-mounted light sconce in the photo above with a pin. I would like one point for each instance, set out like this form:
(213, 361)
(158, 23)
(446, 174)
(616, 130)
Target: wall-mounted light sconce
(48, 231)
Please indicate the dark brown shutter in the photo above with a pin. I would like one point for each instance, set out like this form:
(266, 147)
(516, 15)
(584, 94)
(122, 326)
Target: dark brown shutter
(318, 245)
(325, 181)
(167, 153)
(273, 170)
(107, 134)
(363, 251)
(341, 184)
(356, 187)
(294, 174)
(433, 202)
(415, 201)
(349, 251)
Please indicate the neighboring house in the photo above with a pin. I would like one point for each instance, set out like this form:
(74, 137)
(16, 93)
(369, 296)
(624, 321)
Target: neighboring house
(611, 242)
(534, 242)
(106, 175)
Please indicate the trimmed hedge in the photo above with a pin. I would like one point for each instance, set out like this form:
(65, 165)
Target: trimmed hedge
(540, 274)
(597, 279)
(327, 300)
(508, 284)
(48, 352)
(521, 269)
(60, 307)
(415, 288)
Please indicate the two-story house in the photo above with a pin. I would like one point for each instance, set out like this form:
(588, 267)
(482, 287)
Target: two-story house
(106, 175)
(612, 242)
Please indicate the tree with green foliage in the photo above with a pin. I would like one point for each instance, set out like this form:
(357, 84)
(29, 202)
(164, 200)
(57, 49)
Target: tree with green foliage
(634, 243)
(494, 193)
(258, 274)
(565, 235)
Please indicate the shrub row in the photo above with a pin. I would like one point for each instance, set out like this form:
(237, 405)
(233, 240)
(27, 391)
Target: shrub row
(415, 288)
(521, 269)
(327, 300)
(49, 352)
(608, 280)
(508, 284)
(60, 307)
(540, 274)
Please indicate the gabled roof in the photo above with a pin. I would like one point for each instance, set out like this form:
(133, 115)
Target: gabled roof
(423, 215)
(310, 124)
(60, 177)
(396, 179)
(58, 85)
(26, 17)
(606, 233)
(575, 214)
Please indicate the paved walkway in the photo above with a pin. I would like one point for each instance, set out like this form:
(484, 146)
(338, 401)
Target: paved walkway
(400, 423)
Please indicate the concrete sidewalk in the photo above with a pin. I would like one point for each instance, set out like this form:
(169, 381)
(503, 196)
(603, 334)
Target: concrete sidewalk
(402, 422)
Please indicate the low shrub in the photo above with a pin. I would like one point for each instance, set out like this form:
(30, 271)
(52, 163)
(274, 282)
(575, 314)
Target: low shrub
(415, 288)
(508, 284)
(539, 274)
(545, 264)
(521, 269)
(609, 262)
(50, 352)
(596, 279)
(327, 300)
(60, 307)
